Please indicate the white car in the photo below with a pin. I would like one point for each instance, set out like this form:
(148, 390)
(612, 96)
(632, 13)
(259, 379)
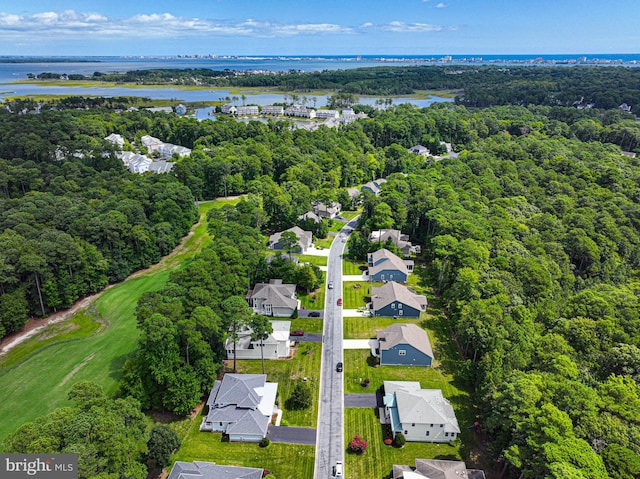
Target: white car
(330, 285)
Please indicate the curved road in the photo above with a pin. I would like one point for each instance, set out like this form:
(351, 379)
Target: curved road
(330, 432)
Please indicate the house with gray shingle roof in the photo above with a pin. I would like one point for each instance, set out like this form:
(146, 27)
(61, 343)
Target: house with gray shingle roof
(310, 215)
(386, 266)
(419, 150)
(404, 345)
(273, 298)
(211, 470)
(397, 238)
(396, 300)
(276, 346)
(421, 415)
(326, 211)
(305, 239)
(436, 469)
(241, 406)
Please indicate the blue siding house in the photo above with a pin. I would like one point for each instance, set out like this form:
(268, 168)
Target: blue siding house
(404, 345)
(396, 300)
(386, 266)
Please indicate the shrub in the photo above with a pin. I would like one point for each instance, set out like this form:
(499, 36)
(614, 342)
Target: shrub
(358, 445)
(264, 442)
(399, 441)
(300, 397)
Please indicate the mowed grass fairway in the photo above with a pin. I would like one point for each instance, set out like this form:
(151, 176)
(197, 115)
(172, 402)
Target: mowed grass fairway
(38, 380)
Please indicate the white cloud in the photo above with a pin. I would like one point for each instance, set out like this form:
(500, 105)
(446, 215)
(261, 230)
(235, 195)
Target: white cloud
(152, 25)
(412, 27)
(441, 5)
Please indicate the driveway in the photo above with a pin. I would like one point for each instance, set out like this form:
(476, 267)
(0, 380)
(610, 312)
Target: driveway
(359, 343)
(353, 313)
(354, 277)
(361, 400)
(304, 313)
(292, 435)
(308, 338)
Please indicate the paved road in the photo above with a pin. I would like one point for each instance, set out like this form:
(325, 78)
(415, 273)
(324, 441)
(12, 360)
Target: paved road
(372, 400)
(330, 433)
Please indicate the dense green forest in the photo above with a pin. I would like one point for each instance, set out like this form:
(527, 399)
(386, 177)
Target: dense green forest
(530, 241)
(480, 86)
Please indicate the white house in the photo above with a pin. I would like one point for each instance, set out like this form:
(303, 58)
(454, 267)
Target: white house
(276, 346)
(272, 110)
(421, 415)
(241, 405)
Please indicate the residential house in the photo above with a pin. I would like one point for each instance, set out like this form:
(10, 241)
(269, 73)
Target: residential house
(160, 109)
(373, 186)
(276, 346)
(228, 109)
(134, 162)
(404, 345)
(419, 150)
(326, 211)
(386, 266)
(161, 166)
(241, 406)
(300, 111)
(347, 118)
(116, 139)
(250, 110)
(421, 415)
(304, 240)
(272, 110)
(211, 470)
(436, 469)
(181, 109)
(395, 300)
(324, 114)
(166, 150)
(273, 299)
(398, 238)
(310, 215)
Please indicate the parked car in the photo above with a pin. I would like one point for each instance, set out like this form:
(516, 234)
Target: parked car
(297, 333)
(330, 285)
(314, 314)
(339, 301)
(339, 367)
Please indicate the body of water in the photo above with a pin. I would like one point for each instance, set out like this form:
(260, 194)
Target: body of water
(16, 69)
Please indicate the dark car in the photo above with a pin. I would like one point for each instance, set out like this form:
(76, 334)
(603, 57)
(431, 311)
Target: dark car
(339, 367)
(314, 314)
(297, 333)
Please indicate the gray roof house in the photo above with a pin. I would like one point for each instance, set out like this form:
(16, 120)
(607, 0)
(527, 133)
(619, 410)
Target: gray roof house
(386, 266)
(310, 215)
(241, 406)
(398, 238)
(326, 211)
(419, 150)
(276, 346)
(404, 345)
(373, 186)
(395, 300)
(421, 415)
(436, 469)
(273, 298)
(305, 239)
(211, 470)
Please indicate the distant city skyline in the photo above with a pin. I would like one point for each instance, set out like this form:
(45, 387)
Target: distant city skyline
(311, 27)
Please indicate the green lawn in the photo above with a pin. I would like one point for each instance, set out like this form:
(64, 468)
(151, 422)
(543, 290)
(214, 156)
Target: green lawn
(313, 259)
(379, 459)
(336, 225)
(351, 267)
(362, 327)
(308, 302)
(350, 214)
(285, 461)
(92, 345)
(324, 243)
(308, 325)
(287, 373)
(354, 296)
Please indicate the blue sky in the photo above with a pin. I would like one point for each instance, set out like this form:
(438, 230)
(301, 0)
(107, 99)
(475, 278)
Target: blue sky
(322, 27)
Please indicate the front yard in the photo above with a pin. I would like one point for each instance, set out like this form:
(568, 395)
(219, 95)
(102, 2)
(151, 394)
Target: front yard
(355, 292)
(285, 461)
(379, 459)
